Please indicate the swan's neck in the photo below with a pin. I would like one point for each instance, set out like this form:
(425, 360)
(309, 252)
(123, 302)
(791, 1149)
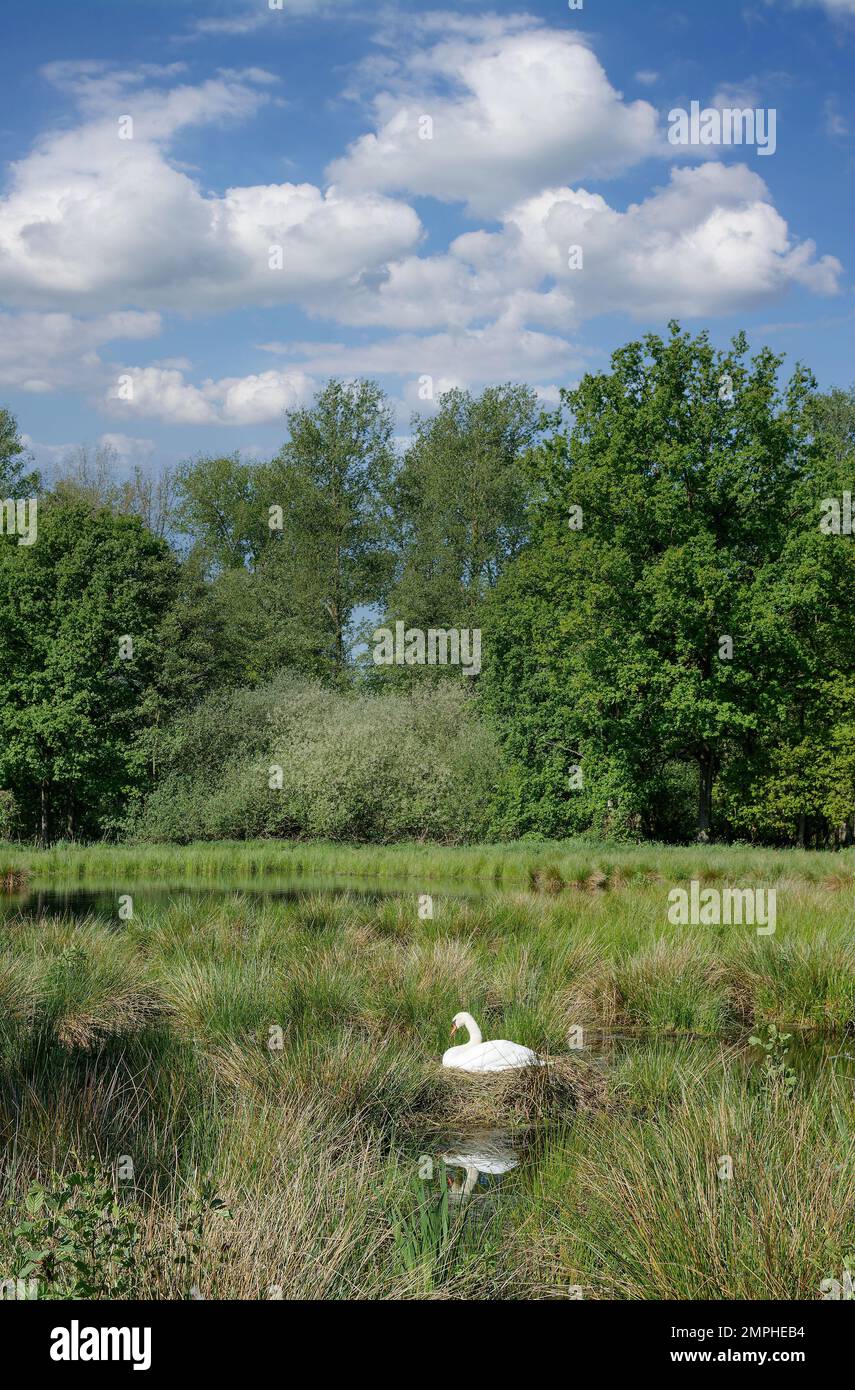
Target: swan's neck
(470, 1182)
(472, 1028)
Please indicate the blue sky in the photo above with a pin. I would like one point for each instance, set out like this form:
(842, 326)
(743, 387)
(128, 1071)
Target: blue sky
(138, 302)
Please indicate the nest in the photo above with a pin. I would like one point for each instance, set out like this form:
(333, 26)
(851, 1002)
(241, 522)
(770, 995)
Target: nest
(522, 1095)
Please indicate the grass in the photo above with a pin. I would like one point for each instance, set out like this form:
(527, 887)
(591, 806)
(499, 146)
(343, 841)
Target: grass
(643, 1209)
(290, 1052)
(550, 866)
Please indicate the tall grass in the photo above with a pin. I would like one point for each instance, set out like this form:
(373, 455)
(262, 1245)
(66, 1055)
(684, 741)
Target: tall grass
(644, 1209)
(291, 1052)
(550, 866)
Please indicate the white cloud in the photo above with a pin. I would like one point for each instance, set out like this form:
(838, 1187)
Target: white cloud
(499, 351)
(161, 393)
(91, 219)
(513, 110)
(263, 15)
(709, 242)
(48, 352)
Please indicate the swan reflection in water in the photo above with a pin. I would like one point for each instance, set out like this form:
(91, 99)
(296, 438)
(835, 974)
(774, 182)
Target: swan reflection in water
(482, 1158)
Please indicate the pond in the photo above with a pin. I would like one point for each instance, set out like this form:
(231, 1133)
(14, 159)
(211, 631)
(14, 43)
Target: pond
(101, 901)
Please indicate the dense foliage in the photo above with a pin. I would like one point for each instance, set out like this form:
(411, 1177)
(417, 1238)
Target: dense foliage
(101, 638)
(674, 648)
(662, 582)
(291, 758)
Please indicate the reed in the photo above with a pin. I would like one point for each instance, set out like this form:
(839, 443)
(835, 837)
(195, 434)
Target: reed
(587, 866)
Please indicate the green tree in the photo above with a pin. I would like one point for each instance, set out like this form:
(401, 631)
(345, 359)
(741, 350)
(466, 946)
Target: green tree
(460, 504)
(643, 636)
(72, 708)
(218, 509)
(332, 480)
(14, 481)
(798, 776)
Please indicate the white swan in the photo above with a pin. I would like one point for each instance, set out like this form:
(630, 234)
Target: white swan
(476, 1055)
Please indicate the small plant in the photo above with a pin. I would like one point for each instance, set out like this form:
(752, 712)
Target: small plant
(422, 1231)
(430, 1240)
(80, 1242)
(191, 1228)
(776, 1068)
(77, 1239)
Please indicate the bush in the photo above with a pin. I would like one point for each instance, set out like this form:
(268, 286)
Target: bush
(419, 765)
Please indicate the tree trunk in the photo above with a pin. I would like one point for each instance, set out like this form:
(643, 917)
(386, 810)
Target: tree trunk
(705, 786)
(43, 832)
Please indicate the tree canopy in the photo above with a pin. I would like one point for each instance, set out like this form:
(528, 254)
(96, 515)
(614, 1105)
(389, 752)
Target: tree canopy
(662, 571)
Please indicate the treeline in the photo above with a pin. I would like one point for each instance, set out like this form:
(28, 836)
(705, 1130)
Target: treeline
(664, 602)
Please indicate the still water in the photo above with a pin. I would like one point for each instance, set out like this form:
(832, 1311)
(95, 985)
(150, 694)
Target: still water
(101, 901)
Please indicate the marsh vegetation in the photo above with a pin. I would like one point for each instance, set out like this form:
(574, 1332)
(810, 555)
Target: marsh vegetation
(257, 1082)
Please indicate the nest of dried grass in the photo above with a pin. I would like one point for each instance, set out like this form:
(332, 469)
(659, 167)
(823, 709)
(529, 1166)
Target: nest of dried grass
(524, 1095)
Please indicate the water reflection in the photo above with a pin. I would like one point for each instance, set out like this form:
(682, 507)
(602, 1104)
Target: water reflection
(101, 901)
(808, 1052)
(476, 1160)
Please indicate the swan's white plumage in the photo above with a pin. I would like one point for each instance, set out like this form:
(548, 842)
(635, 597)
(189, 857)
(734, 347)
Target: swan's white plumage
(478, 1056)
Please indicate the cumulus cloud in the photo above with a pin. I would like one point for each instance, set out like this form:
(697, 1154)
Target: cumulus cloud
(499, 351)
(708, 242)
(91, 219)
(162, 393)
(493, 113)
(521, 114)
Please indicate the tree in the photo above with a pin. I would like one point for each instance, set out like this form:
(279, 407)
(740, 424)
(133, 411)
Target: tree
(642, 632)
(219, 510)
(332, 480)
(798, 779)
(93, 476)
(92, 647)
(460, 504)
(14, 481)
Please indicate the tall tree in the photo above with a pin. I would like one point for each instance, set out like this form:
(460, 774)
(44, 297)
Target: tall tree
(461, 504)
(92, 649)
(332, 480)
(636, 634)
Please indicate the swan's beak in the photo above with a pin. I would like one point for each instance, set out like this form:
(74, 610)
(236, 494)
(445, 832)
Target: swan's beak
(453, 1030)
